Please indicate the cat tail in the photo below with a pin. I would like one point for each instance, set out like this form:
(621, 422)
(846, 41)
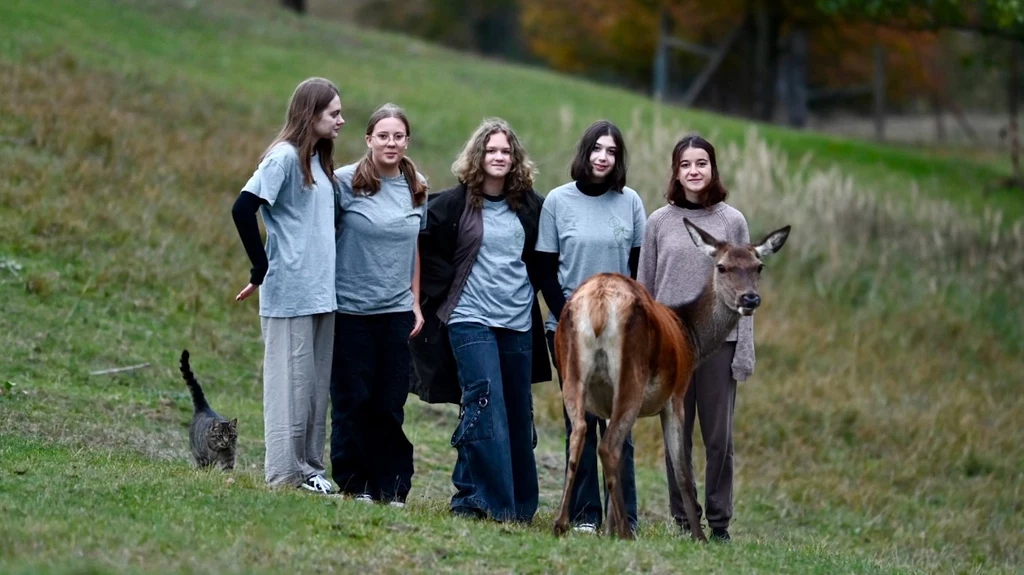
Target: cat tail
(198, 397)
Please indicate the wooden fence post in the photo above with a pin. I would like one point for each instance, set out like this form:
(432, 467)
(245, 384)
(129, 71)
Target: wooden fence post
(879, 92)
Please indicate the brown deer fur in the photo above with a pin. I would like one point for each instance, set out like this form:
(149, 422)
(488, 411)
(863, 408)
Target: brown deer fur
(624, 355)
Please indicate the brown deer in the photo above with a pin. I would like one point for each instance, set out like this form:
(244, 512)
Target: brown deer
(623, 356)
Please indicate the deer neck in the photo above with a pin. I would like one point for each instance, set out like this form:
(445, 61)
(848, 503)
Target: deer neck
(707, 321)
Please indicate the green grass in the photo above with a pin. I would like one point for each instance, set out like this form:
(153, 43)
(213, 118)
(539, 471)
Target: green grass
(124, 512)
(879, 432)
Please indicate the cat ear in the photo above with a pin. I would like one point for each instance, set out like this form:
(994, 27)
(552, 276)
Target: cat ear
(234, 423)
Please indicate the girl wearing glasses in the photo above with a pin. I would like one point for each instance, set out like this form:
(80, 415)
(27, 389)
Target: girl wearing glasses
(382, 199)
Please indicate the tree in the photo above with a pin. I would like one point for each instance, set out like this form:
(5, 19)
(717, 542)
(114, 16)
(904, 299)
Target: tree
(490, 27)
(727, 55)
(1004, 18)
(998, 18)
(296, 5)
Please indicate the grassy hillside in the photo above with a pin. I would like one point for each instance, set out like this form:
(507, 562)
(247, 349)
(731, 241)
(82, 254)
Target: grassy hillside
(879, 433)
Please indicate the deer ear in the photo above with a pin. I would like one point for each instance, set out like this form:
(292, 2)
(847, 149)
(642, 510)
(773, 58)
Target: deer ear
(703, 240)
(772, 243)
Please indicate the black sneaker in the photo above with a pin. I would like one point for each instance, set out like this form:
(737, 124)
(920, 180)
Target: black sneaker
(720, 534)
(317, 484)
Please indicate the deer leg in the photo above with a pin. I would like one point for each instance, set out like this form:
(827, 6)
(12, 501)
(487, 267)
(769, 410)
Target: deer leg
(624, 415)
(572, 396)
(672, 429)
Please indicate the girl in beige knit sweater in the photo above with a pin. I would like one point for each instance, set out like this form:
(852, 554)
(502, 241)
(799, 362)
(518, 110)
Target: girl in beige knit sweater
(675, 271)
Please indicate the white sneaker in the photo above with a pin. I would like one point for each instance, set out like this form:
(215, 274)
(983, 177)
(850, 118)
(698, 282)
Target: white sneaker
(585, 528)
(317, 484)
(397, 504)
(364, 498)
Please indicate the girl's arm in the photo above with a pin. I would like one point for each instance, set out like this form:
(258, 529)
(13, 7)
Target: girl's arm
(639, 227)
(647, 269)
(546, 252)
(634, 262)
(262, 188)
(417, 312)
(743, 360)
(244, 214)
(547, 269)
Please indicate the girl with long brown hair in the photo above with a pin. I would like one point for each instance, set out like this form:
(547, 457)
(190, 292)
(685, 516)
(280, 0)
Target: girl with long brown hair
(383, 208)
(293, 188)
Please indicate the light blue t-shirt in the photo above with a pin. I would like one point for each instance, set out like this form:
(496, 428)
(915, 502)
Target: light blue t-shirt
(590, 234)
(376, 249)
(300, 235)
(498, 291)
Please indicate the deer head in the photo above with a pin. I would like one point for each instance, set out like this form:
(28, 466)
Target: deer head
(737, 267)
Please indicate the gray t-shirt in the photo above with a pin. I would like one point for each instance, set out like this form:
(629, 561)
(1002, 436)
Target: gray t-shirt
(498, 291)
(300, 235)
(590, 234)
(377, 246)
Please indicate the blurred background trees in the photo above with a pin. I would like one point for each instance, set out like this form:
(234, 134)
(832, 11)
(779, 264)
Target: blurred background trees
(917, 71)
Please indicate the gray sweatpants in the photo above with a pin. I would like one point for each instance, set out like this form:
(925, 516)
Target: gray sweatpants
(296, 387)
(712, 398)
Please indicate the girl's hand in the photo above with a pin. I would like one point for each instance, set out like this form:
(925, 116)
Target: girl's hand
(246, 292)
(418, 325)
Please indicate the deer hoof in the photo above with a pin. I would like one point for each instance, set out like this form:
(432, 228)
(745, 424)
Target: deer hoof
(561, 527)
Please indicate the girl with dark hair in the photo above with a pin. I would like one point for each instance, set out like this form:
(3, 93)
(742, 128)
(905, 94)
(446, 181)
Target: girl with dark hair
(674, 271)
(293, 187)
(383, 207)
(591, 225)
(479, 277)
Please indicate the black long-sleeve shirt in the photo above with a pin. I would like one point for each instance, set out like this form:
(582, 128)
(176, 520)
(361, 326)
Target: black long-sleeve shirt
(244, 214)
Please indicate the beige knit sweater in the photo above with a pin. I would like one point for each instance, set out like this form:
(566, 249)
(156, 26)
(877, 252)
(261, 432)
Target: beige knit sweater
(674, 271)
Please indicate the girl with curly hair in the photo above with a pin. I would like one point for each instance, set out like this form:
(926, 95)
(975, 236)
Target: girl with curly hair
(484, 323)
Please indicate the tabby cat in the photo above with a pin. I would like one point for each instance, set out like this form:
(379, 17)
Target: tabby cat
(212, 437)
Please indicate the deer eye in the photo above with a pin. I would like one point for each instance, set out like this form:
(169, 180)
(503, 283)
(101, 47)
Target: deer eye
(721, 269)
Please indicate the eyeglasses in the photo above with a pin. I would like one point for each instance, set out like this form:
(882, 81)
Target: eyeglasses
(383, 138)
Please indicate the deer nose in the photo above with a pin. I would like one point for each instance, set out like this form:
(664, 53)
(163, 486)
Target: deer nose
(750, 300)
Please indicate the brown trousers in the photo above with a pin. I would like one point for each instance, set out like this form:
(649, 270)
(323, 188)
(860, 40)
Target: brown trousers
(712, 398)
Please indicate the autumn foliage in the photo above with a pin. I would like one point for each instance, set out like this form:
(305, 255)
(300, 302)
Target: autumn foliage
(617, 39)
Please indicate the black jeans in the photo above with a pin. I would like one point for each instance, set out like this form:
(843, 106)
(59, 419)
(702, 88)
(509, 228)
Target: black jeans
(585, 502)
(369, 384)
